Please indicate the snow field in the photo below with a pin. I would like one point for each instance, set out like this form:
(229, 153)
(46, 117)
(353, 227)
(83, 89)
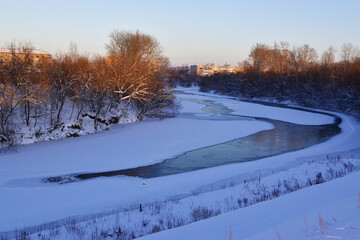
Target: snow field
(230, 196)
(326, 211)
(119, 148)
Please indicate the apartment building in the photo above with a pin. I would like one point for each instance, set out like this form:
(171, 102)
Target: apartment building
(210, 69)
(36, 55)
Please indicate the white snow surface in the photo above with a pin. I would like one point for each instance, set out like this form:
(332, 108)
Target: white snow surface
(26, 201)
(258, 110)
(293, 216)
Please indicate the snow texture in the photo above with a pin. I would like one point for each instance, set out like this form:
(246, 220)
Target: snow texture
(29, 202)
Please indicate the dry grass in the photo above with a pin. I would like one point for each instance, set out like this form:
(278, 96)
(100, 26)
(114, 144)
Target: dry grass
(229, 235)
(322, 224)
(277, 233)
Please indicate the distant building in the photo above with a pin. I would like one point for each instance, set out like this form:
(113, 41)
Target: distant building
(184, 68)
(210, 69)
(37, 55)
(197, 70)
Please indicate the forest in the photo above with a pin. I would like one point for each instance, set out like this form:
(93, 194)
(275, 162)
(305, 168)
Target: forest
(297, 74)
(70, 92)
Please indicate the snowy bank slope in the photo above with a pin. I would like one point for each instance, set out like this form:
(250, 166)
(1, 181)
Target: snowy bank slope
(293, 216)
(223, 197)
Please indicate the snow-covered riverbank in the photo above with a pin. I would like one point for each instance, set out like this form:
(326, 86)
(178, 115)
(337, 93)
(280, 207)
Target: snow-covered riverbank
(29, 202)
(327, 211)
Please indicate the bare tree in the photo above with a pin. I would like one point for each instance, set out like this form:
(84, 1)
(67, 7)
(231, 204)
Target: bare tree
(137, 65)
(260, 58)
(349, 52)
(99, 88)
(305, 56)
(63, 76)
(328, 57)
(20, 87)
(20, 80)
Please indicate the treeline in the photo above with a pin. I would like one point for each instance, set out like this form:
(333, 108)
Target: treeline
(44, 95)
(297, 74)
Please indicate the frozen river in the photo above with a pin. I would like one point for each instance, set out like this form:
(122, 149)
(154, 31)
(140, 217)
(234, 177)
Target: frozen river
(284, 137)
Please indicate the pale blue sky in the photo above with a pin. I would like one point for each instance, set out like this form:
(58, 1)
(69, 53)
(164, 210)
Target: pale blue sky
(189, 31)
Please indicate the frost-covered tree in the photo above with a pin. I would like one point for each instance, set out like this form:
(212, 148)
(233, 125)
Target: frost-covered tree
(138, 64)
